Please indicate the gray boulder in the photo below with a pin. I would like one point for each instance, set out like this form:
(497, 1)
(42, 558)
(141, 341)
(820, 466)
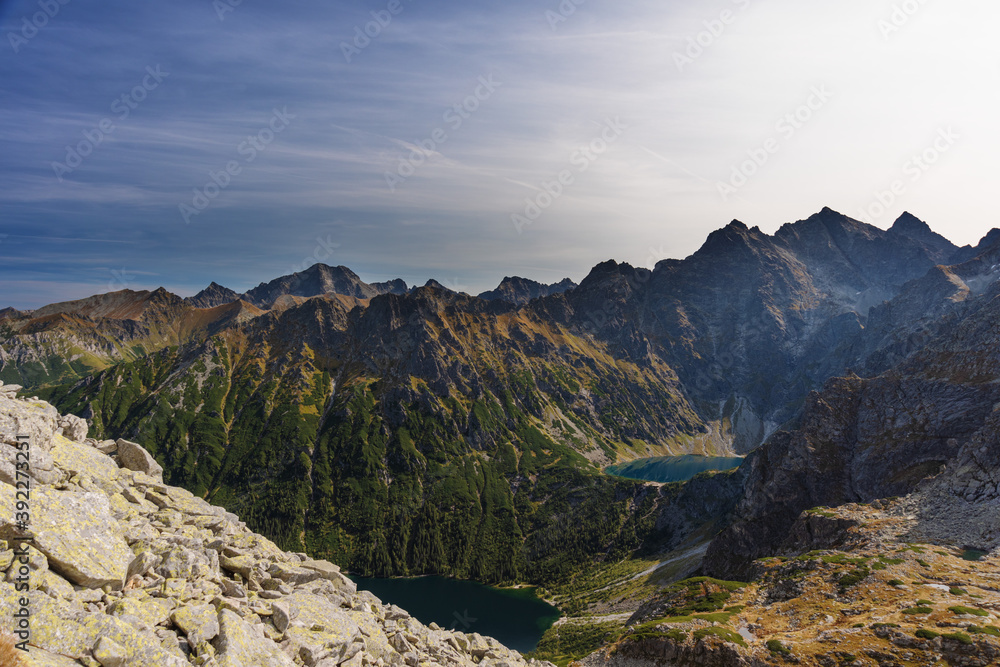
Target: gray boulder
(36, 419)
(74, 428)
(67, 527)
(239, 645)
(135, 457)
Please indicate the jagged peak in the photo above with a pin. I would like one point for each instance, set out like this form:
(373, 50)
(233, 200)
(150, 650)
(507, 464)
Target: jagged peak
(991, 239)
(829, 216)
(735, 234)
(607, 270)
(436, 285)
(909, 222)
(831, 221)
(518, 290)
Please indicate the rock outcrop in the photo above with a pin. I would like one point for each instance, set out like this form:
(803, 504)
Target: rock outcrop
(125, 570)
(929, 425)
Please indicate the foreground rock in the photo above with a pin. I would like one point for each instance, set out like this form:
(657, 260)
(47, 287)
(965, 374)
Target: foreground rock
(125, 570)
(61, 523)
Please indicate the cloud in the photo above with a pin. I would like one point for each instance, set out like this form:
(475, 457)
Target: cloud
(560, 80)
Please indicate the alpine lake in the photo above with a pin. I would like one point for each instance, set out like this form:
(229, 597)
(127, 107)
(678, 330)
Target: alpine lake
(516, 617)
(665, 469)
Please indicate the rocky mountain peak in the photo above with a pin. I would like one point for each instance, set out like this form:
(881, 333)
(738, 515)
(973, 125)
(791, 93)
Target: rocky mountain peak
(734, 237)
(991, 240)
(909, 223)
(316, 280)
(212, 296)
(520, 291)
(433, 284)
(608, 273)
(938, 247)
(12, 313)
(396, 286)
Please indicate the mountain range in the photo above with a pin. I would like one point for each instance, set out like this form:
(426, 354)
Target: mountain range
(399, 430)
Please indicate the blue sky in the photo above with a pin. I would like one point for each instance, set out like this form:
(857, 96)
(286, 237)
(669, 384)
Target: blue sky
(665, 121)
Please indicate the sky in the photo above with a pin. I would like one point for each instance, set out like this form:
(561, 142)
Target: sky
(178, 143)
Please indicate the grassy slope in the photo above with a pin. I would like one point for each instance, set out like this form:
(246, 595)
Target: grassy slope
(397, 479)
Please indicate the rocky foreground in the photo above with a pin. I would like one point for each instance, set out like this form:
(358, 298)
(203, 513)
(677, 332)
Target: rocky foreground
(125, 570)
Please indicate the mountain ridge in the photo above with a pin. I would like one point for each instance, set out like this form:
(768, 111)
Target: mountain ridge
(711, 354)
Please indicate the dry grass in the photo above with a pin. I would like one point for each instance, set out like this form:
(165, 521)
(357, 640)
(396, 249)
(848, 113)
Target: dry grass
(10, 656)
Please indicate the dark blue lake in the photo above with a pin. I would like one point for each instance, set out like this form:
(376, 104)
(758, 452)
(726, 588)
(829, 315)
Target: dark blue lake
(514, 616)
(672, 468)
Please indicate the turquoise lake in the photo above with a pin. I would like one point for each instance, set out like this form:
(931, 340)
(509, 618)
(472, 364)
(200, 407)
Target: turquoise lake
(514, 616)
(672, 468)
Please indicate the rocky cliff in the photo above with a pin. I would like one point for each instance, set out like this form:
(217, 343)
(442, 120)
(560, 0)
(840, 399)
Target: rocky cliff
(933, 415)
(122, 569)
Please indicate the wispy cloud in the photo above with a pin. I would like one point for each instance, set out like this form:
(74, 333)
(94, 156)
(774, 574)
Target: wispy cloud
(355, 122)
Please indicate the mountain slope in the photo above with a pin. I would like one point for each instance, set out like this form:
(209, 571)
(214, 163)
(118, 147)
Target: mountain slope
(125, 570)
(427, 433)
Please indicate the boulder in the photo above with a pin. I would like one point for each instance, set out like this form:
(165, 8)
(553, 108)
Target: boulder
(74, 635)
(199, 622)
(331, 573)
(41, 467)
(10, 390)
(150, 610)
(281, 615)
(36, 419)
(182, 563)
(67, 526)
(73, 428)
(239, 644)
(39, 658)
(317, 627)
(134, 457)
(241, 565)
(76, 459)
(110, 653)
(142, 563)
